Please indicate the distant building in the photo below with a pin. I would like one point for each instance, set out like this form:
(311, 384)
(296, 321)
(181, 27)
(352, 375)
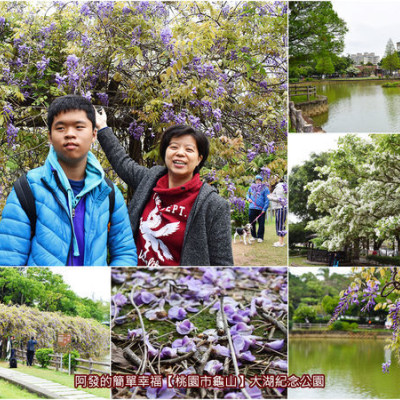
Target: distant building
(366, 58)
(398, 46)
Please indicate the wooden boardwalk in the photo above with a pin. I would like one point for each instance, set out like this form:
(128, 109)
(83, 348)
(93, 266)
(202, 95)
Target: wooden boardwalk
(43, 387)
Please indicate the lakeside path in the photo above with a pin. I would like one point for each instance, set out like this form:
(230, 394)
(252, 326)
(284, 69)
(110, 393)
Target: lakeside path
(43, 387)
(319, 334)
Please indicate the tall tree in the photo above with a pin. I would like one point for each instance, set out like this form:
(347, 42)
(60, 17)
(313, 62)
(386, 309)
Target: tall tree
(299, 177)
(325, 65)
(391, 61)
(314, 28)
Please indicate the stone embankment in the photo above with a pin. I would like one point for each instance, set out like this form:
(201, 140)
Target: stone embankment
(300, 121)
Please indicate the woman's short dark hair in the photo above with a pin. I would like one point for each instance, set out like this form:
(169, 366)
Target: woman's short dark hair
(68, 103)
(203, 146)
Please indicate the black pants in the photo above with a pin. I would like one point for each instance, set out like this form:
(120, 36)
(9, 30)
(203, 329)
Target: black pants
(30, 354)
(253, 214)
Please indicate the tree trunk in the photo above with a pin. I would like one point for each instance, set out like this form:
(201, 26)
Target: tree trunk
(356, 254)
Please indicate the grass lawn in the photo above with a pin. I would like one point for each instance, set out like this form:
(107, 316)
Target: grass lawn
(300, 99)
(55, 376)
(11, 391)
(261, 254)
(301, 261)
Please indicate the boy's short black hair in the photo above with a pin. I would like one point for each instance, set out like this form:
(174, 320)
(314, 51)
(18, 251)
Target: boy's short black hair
(69, 103)
(202, 143)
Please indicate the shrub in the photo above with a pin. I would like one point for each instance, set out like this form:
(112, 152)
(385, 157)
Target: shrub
(43, 356)
(293, 80)
(385, 260)
(74, 356)
(342, 326)
(353, 326)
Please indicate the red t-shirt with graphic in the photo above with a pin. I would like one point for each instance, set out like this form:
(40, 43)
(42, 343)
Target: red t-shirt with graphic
(163, 223)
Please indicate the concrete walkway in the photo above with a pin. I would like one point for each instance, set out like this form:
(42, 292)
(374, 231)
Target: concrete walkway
(43, 387)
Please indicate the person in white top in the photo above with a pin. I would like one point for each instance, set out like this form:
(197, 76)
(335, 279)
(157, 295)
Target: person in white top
(278, 202)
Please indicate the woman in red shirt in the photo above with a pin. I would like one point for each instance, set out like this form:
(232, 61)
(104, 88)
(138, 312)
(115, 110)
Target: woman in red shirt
(175, 217)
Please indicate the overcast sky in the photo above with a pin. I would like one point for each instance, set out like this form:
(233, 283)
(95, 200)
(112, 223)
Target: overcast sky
(91, 282)
(302, 145)
(371, 24)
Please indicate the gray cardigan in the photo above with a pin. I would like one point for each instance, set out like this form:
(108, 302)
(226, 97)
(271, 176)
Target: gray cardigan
(207, 239)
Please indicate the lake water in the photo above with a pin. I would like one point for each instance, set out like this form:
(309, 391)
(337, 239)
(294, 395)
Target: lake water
(352, 368)
(363, 106)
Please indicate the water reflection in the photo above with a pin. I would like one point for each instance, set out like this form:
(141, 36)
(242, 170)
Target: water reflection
(352, 368)
(359, 107)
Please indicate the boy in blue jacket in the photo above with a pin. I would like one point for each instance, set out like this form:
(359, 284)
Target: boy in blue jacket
(73, 222)
(257, 197)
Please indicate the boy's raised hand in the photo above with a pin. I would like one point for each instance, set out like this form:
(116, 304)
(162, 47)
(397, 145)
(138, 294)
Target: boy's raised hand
(101, 118)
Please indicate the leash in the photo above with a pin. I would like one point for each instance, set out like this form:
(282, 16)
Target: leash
(257, 218)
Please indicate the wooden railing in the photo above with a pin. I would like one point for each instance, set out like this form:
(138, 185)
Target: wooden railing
(300, 325)
(309, 91)
(91, 364)
(56, 362)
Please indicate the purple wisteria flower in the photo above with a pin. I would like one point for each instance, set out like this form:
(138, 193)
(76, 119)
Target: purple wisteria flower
(119, 299)
(164, 392)
(176, 312)
(240, 344)
(12, 133)
(60, 80)
(184, 327)
(237, 203)
(246, 356)
(87, 95)
(143, 297)
(166, 35)
(118, 278)
(103, 98)
(242, 329)
(369, 294)
(280, 364)
(72, 62)
(349, 297)
(276, 345)
(213, 367)
(222, 351)
(385, 366)
(168, 352)
(150, 348)
(394, 316)
(184, 345)
(217, 114)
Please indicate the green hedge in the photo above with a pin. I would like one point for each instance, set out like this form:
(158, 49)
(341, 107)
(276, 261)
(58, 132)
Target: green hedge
(385, 260)
(43, 356)
(74, 356)
(343, 326)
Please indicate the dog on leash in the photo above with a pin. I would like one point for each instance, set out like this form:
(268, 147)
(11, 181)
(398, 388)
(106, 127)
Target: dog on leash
(243, 233)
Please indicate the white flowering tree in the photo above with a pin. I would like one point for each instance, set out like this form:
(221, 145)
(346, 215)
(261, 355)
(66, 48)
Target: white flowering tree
(361, 194)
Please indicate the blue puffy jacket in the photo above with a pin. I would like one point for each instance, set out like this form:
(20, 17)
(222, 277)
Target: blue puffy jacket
(259, 199)
(54, 236)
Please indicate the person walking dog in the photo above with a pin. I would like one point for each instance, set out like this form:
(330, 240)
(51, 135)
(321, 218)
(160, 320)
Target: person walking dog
(257, 196)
